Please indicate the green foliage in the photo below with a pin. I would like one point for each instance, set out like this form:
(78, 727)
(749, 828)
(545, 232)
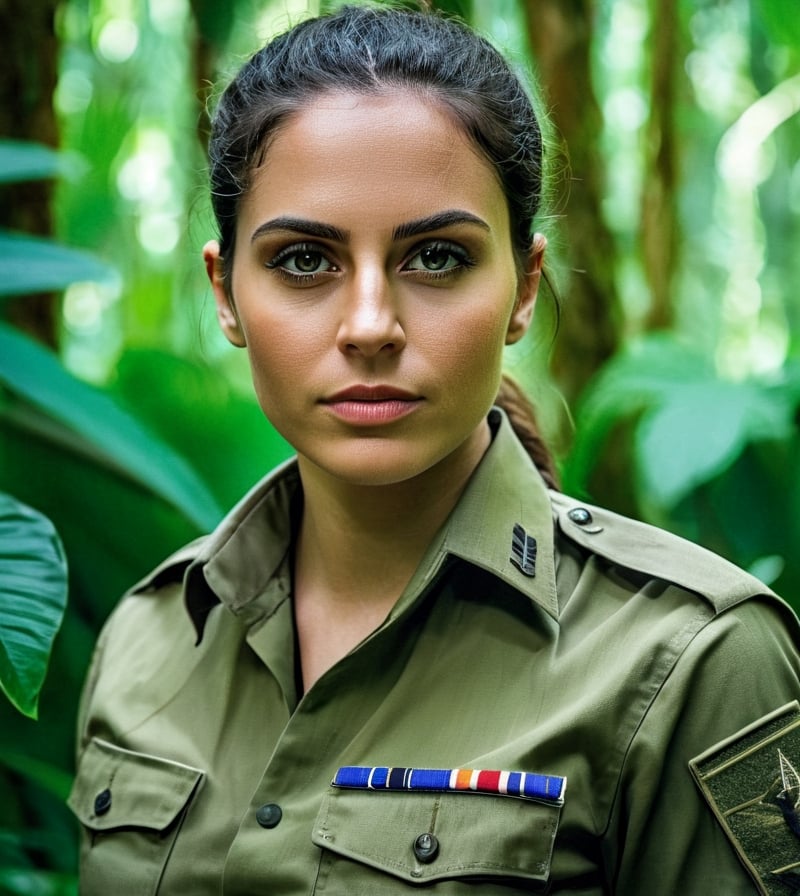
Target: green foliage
(676, 393)
(195, 411)
(780, 21)
(21, 161)
(91, 420)
(711, 458)
(27, 882)
(33, 594)
(123, 489)
(33, 264)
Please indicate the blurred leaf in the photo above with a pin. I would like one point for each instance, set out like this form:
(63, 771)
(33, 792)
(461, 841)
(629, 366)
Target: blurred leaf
(689, 425)
(46, 775)
(114, 530)
(191, 406)
(33, 594)
(115, 438)
(768, 569)
(34, 264)
(21, 160)
(28, 882)
(698, 430)
(781, 19)
(638, 378)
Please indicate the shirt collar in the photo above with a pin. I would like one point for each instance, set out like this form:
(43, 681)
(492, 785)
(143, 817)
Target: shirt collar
(242, 564)
(502, 523)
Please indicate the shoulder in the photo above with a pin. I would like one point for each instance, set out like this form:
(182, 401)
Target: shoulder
(651, 551)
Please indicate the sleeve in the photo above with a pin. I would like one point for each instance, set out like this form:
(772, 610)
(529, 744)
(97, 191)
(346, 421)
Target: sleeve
(742, 667)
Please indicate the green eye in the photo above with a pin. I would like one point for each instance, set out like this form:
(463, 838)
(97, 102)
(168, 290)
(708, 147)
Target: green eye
(438, 258)
(301, 260)
(435, 258)
(306, 263)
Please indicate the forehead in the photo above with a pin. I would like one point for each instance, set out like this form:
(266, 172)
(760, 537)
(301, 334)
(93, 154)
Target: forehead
(379, 158)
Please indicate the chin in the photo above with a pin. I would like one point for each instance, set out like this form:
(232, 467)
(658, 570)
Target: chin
(373, 463)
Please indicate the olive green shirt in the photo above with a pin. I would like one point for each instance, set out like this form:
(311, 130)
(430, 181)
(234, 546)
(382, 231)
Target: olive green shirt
(537, 635)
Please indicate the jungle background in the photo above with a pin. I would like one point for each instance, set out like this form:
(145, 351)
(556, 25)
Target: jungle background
(669, 388)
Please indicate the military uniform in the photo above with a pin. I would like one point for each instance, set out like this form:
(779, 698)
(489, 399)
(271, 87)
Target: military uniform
(596, 655)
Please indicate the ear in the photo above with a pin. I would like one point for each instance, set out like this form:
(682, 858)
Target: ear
(527, 290)
(226, 311)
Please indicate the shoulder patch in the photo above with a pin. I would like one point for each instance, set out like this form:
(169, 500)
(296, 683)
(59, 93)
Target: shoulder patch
(752, 785)
(655, 552)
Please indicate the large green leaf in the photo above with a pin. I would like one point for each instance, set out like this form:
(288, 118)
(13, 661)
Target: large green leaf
(115, 438)
(699, 429)
(689, 425)
(34, 264)
(46, 775)
(192, 406)
(639, 378)
(33, 594)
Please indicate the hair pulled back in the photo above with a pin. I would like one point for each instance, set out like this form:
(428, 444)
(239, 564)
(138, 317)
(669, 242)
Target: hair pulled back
(370, 50)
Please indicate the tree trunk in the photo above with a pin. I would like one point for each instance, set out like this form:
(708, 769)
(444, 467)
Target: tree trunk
(560, 35)
(28, 73)
(659, 224)
(214, 22)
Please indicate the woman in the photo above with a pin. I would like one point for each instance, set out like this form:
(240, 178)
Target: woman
(381, 670)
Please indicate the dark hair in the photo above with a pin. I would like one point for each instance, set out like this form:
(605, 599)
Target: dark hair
(367, 50)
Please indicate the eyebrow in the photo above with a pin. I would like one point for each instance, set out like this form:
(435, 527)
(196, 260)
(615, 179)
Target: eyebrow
(302, 226)
(403, 231)
(437, 222)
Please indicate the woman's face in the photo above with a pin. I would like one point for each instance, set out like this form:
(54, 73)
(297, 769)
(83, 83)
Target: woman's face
(374, 287)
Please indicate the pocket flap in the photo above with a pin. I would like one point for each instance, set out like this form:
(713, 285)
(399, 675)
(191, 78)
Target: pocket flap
(116, 788)
(475, 835)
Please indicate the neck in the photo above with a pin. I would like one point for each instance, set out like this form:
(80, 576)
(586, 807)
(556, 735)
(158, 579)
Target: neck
(362, 540)
(358, 547)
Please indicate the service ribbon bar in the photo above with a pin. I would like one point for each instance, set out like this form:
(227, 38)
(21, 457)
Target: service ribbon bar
(526, 785)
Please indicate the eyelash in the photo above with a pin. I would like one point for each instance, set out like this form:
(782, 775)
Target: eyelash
(463, 260)
(277, 263)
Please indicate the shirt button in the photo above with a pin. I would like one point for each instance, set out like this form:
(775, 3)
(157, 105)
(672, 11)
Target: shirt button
(269, 815)
(426, 848)
(580, 515)
(102, 802)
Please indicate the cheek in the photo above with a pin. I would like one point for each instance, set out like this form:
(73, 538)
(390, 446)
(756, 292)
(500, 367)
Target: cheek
(278, 360)
(472, 354)
(279, 340)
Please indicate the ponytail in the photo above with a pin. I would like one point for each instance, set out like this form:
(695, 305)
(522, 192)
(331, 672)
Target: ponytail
(522, 416)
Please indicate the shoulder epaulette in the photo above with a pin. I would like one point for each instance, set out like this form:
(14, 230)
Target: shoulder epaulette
(646, 549)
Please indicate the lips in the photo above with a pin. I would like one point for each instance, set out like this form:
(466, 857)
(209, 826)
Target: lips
(372, 405)
(372, 393)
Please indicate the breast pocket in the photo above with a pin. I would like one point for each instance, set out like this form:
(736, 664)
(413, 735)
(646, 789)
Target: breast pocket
(384, 843)
(131, 806)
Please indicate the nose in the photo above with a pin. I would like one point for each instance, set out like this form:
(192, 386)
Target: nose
(370, 324)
